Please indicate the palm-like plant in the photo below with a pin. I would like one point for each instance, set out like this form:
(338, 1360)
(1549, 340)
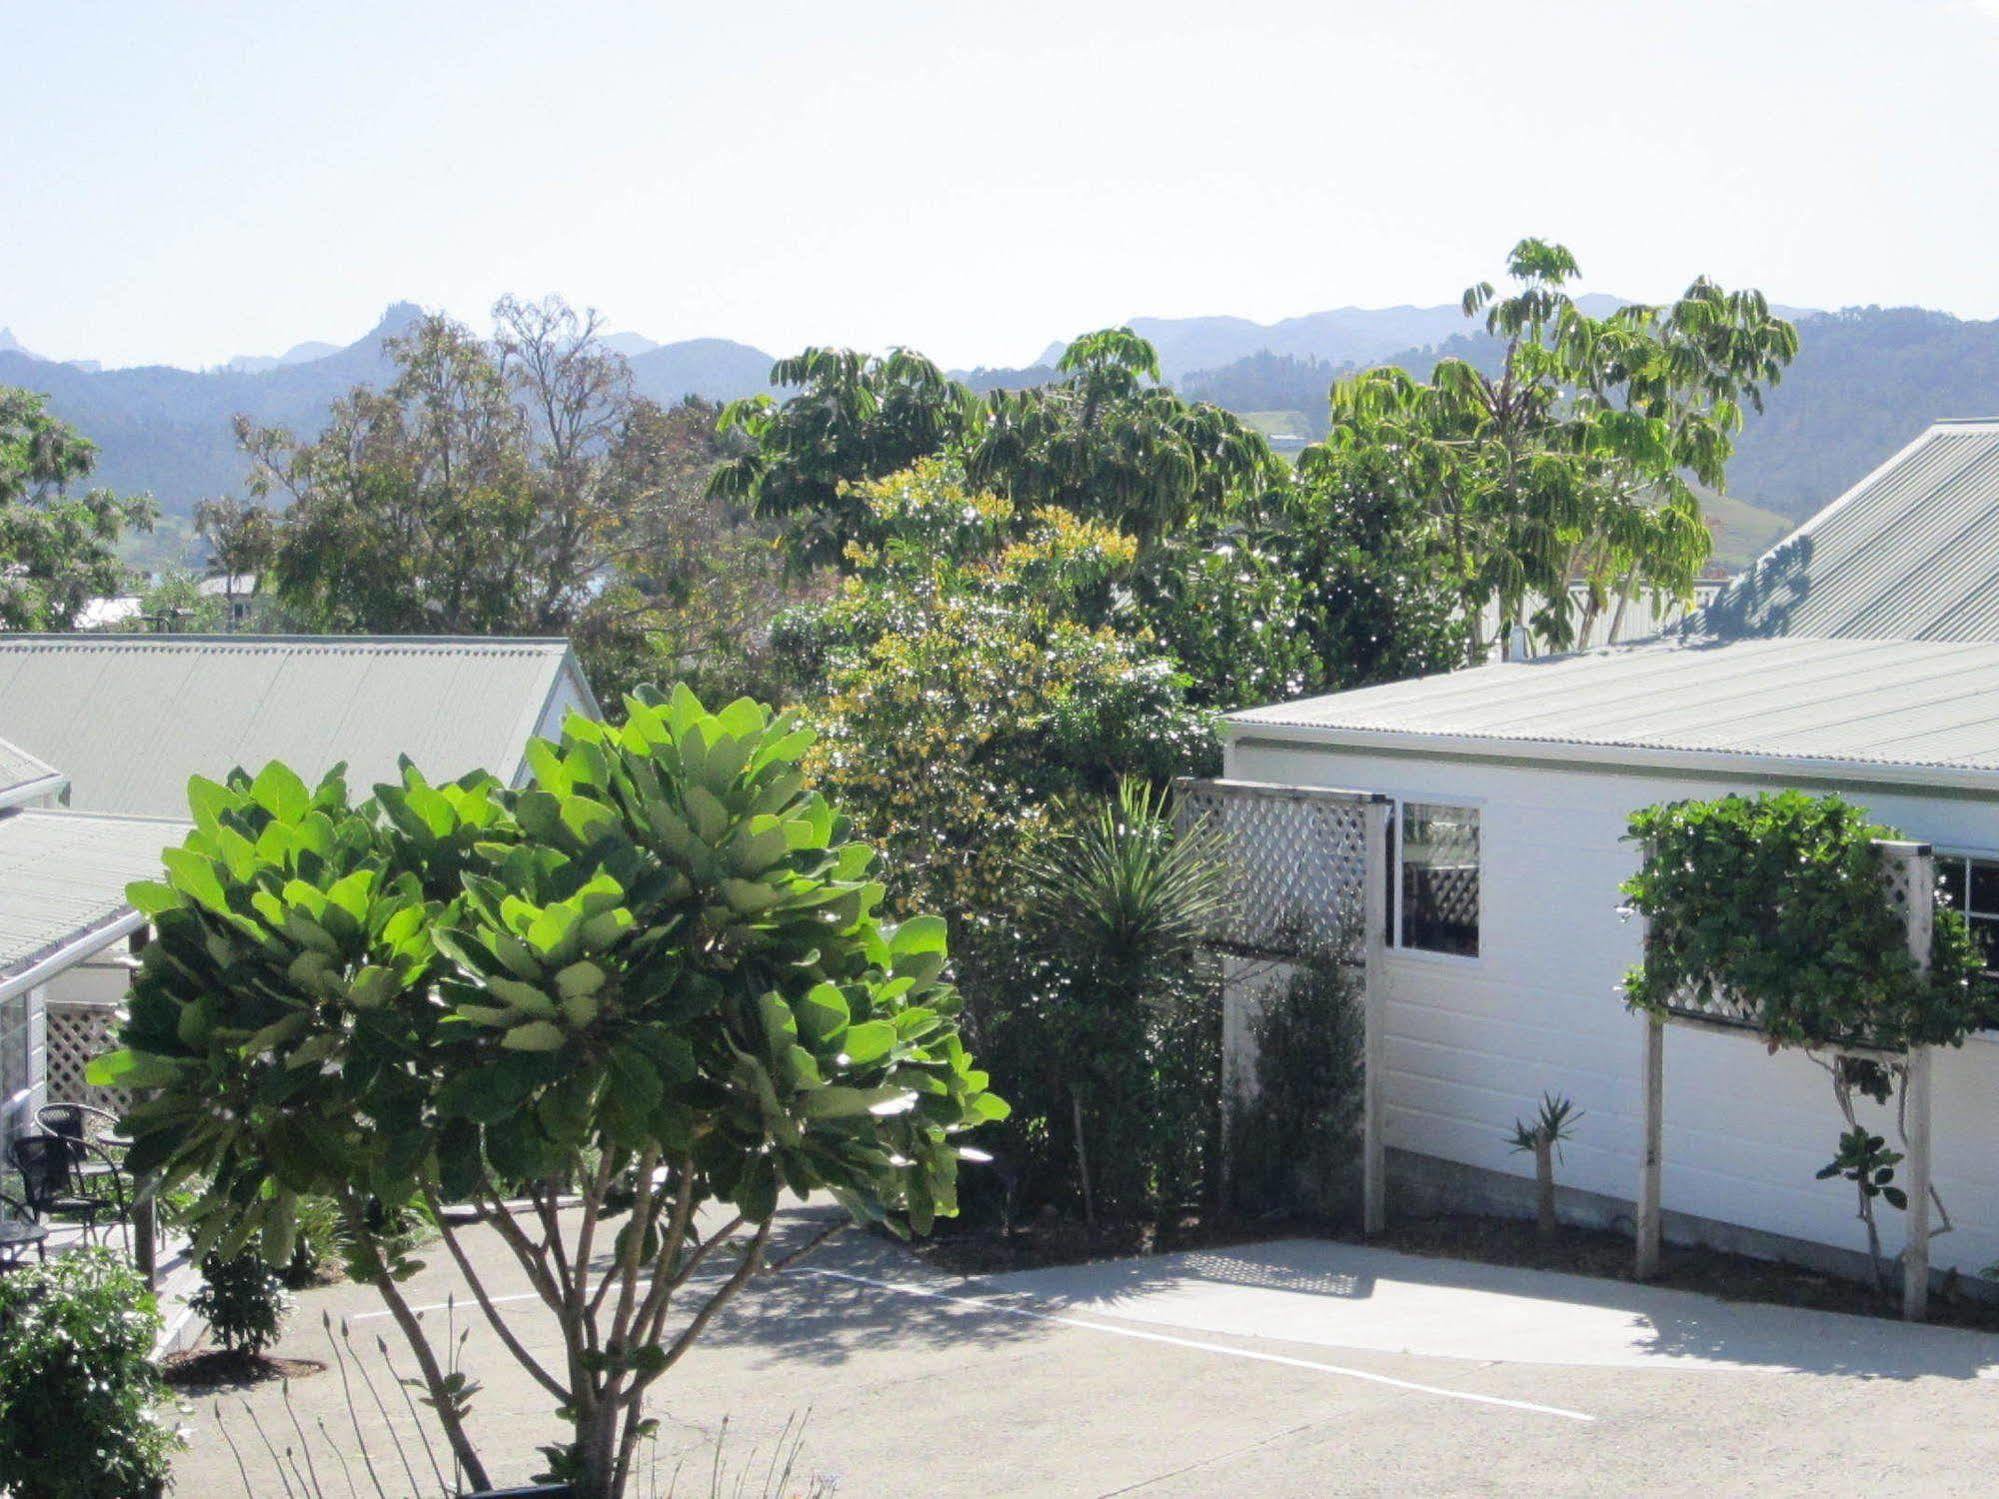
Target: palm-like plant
(1543, 1139)
(1576, 455)
(1117, 907)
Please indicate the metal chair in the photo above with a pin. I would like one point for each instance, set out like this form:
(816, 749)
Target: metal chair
(78, 1121)
(13, 1213)
(53, 1183)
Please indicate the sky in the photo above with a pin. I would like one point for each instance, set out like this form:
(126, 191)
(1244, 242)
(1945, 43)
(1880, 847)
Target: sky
(185, 182)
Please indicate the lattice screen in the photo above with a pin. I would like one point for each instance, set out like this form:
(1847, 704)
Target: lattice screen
(1905, 869)
(78, 1032)
(1298, 859)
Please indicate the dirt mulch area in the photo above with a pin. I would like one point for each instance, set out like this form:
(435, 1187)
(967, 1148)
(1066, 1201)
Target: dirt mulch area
(1065, 1241)
(1461, 1236)
(1727, 1277)
(218, 1369)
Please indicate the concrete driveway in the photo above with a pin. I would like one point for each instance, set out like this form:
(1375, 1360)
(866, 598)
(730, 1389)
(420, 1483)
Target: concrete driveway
(1295, 1367)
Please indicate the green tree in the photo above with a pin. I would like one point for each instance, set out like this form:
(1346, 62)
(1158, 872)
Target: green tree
(504, 488)
(1109, 443)
(854, 417)
(58, 548)
(961, 694)
(1579, 455)
(414, 510)
(173, 604)
(657, 976)
(695, 579)
(242, 539)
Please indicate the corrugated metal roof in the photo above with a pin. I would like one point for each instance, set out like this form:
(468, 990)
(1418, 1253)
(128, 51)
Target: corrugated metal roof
(130, 718)
(23, 777)
(63, 876)
(1866, 704)
(1911, 552)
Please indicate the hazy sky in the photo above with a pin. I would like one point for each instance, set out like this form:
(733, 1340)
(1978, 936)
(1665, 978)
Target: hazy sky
(183, 182)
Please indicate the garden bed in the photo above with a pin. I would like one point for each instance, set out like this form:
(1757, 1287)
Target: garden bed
(1461, 1236)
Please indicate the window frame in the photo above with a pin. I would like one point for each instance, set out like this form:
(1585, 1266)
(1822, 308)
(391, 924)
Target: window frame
(1398, 801)
(1982, 856)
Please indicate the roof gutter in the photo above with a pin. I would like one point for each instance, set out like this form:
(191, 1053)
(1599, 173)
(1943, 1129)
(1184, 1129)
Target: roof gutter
(84, 945)
(1627, 756)
(28, 793)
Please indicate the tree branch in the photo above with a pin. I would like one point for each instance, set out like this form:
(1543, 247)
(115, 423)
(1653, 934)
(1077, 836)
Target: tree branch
(513, 1344)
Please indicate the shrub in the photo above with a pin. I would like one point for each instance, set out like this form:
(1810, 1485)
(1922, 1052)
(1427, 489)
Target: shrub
(243, 1300)
(1294, 1132)
(1106, 1020)
(77, 1385)
(1774, 907)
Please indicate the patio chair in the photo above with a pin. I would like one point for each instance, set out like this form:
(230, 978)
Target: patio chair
(79, 1121)
(53, 1183)
(13, 1210)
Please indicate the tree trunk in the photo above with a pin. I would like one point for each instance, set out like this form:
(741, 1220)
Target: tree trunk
(597, 1452)
(1547, 1227)
(1082, 1161)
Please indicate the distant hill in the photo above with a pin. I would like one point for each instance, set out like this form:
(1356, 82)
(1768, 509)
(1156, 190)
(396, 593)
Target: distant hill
(713, 367)
(169, 431)
(1344, 335)
(984, 380)
(1866, 381)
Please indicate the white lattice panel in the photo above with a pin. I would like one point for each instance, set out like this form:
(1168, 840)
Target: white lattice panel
(1906, 868)
(77, 1033)
(1297, 858)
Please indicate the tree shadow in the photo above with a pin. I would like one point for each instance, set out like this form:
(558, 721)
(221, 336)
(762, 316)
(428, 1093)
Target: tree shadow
(1758, 604)
(1670, 1324)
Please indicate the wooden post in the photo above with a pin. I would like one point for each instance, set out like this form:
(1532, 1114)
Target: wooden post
(1374, 991)
(1912, 877)
(1655, 1127)
(1916, 1253)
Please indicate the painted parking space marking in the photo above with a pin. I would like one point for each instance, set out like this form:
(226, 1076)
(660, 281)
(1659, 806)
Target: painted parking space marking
(1366, 1375)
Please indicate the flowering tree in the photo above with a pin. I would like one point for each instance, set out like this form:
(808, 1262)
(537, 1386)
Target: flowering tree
(656, 977)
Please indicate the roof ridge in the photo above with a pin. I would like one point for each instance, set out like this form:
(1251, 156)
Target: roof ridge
(102, 640)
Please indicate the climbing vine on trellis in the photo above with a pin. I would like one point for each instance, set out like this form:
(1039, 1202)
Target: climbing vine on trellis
(1772, 912)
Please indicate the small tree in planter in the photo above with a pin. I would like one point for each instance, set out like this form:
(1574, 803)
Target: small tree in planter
(657, 972)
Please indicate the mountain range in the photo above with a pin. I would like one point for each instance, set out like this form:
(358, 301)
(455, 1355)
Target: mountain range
(1866, 380)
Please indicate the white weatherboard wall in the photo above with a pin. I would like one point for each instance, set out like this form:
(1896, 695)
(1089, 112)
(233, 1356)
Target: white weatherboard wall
(1472, 1043)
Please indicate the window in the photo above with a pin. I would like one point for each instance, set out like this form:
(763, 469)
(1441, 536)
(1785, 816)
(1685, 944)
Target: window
(1972, 886)
(1433, 896)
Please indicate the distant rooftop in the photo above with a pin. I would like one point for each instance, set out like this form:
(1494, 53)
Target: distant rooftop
(129, 718)
(24, 778)
(1911, 552)
(64, 876)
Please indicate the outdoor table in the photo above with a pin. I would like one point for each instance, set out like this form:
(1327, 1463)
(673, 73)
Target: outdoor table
(16, 1235)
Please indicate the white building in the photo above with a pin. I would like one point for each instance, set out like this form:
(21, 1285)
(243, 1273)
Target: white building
(1859, 656)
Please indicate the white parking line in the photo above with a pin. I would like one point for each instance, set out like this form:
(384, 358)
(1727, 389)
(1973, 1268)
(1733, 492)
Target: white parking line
(1221, 1348)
